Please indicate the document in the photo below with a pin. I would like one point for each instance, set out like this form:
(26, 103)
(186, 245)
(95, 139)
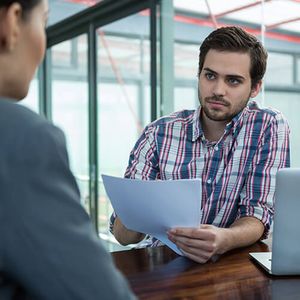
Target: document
(155, 206)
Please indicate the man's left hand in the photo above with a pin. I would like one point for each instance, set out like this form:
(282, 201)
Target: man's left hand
(200, 244)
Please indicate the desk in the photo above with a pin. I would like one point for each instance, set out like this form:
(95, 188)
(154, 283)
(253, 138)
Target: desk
(159, 273)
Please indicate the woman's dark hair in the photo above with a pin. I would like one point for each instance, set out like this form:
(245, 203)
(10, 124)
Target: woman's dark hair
(27, 5)
(235, 39)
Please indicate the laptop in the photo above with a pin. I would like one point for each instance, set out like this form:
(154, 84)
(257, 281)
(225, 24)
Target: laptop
(285, 256)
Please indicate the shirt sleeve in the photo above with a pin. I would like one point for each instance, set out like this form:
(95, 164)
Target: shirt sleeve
(143, 162)
(273, 153)
(143, 159)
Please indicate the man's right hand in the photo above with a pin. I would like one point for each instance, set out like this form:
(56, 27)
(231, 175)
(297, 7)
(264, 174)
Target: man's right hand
(125, 236)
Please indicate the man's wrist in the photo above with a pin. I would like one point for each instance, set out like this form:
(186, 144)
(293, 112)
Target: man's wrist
(227, 240)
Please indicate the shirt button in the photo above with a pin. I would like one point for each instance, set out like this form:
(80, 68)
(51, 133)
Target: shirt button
(209, 181)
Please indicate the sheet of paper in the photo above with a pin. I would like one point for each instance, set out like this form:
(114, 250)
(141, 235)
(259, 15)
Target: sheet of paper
(153, 207)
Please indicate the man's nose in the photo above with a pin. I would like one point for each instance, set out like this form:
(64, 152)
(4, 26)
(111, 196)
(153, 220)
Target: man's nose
(219, 88)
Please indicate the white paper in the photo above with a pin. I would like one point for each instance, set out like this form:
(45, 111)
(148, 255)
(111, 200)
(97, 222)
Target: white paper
(155, 206)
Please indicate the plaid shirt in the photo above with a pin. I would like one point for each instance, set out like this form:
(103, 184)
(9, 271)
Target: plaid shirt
(238, 171)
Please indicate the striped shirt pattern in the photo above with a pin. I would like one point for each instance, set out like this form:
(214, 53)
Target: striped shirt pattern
(237, 172)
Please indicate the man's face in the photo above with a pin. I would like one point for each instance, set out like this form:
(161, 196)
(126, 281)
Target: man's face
(225, 84)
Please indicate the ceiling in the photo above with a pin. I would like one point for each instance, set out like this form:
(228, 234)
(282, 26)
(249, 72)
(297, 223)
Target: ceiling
(274, 14)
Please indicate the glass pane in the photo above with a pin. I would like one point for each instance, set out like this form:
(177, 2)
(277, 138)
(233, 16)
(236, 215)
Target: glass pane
(70, 106)
(186, 69)
(186, 61)
(289, 105)
(124, 99)
(62, 9)
(279, 69)
(185, 98)
(62, 55)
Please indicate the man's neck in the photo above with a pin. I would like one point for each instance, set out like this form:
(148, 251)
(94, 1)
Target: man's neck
(213, 130)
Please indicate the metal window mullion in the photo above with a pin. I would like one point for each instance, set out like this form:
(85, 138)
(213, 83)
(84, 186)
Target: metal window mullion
(294, 66)
(45, 84)
(153, 63)
(102, 13)
(74, 53)
(93, 122)
(167, 56)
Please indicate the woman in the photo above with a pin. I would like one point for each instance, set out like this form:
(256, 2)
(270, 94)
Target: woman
(48, 248)
(22, 44)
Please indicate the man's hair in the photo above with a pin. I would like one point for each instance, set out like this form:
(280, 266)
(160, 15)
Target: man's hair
(27, 5)
(235, 39)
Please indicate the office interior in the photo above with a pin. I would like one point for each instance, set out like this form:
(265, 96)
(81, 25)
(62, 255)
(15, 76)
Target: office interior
(112, 67)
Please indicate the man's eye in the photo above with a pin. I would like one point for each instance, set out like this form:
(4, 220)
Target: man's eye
(234, 81)
(210, 76)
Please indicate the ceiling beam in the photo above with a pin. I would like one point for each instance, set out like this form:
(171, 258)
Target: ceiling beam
(272, 26)
(212, 16)
(208, 23)
(222, 14)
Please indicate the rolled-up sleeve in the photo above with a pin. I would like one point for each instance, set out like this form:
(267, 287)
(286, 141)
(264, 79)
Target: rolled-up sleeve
(273, 153)
(143, 162)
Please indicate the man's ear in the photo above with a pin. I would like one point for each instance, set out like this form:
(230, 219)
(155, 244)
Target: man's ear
(256, 89)
(10, 22)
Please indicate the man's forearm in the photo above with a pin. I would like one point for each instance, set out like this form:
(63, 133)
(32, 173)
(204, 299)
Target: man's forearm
(243, 232)
(125, 236)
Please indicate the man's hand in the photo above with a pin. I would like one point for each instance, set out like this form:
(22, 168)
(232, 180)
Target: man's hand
(125, 236)
(200, 244)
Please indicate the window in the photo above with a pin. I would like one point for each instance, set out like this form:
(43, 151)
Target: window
(70, 106)
(185, 98)
(279, 69)
(123, 99)
(298, 70)
(289, 105)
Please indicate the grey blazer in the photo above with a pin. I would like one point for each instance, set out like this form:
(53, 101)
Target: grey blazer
(48, 247)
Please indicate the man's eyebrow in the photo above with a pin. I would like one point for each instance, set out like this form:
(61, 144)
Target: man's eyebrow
(228, 75)
(235, 76)
(210, 70)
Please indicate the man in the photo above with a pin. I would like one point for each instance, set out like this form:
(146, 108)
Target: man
(234, 146)
(48, 249)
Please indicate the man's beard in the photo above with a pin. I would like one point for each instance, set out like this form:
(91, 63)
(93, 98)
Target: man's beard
(217, 115)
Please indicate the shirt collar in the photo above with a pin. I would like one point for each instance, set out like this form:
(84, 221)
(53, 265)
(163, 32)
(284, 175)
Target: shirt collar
(234, 124)
(237, 122)
(197, 128)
